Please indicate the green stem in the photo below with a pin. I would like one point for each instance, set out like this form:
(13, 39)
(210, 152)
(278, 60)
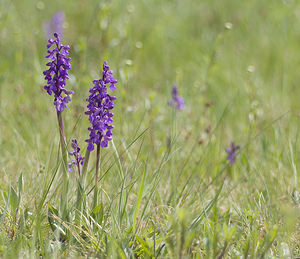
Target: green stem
(62, 139)
(64, 193)
(97, 176)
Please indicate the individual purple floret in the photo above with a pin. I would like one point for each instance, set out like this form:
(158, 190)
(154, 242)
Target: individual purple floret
(99, 107)
(57, 74)
(177, 101)
(232, 152)
(55, 24)
(78, 157)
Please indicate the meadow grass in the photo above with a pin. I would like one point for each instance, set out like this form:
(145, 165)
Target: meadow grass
(166, 189)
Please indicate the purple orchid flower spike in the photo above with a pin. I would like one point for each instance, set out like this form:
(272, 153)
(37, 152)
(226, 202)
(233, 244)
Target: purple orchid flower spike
(57, 74)
(232, 152)
(78, 157)
(100, 104)
(55, 24)
(177, 101)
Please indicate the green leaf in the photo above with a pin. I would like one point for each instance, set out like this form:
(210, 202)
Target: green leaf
(14, 199)
(52, 210)
(21, 185)
(97, 209)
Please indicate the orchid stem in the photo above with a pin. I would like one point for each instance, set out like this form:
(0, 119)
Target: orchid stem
(97, 176)
(64, 194)
(62, 139)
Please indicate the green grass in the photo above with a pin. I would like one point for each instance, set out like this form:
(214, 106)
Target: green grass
(166, 189)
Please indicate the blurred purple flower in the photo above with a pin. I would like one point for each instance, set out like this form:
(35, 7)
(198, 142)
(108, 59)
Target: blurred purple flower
(177, 101)
(99, 107)
(232, 152)
(57, 74)
(78, 158)
(55, 24)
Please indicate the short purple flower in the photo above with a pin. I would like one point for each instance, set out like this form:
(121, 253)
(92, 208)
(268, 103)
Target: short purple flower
(78, 157)
(232, 152)
(55, 24)
(99, 107)
(177, 101)
(57, 74)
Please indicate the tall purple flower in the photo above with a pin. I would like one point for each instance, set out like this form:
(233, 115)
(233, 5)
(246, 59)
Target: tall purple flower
(55, 24)
(232, 152)
(78, 157)
(99, 107)
(57, 74)
(177, 101)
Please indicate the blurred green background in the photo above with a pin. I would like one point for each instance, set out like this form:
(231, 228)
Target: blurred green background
(236, 64)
